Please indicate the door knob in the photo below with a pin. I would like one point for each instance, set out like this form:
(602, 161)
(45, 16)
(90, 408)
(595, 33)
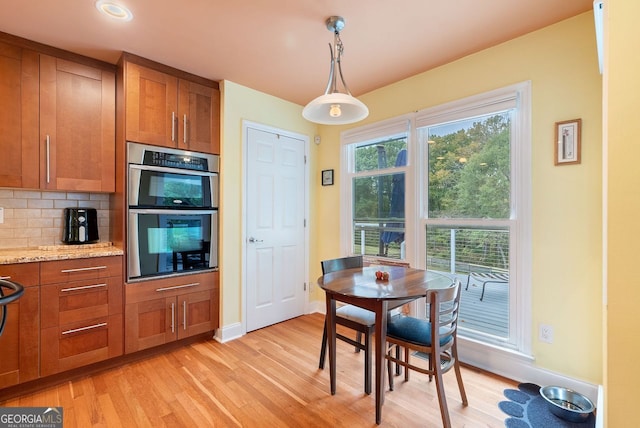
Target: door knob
(252, 239)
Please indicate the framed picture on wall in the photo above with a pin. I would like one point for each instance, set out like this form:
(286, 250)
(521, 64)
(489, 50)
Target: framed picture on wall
(327, 177)
(567, 142)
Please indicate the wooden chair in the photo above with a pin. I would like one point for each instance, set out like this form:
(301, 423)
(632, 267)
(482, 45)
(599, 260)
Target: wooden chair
(439, 344)
(353, 317)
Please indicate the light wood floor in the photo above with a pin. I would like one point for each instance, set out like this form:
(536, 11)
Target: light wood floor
(268, 378)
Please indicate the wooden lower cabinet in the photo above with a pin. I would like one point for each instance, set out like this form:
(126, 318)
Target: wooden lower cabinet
(81, 322)
(20, 342)
(163, 310)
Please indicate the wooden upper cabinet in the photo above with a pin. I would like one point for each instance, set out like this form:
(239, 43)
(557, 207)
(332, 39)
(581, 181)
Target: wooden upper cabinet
(77, 126)
(163, 109)
(18, 116)
(151, 106)
(199, 126)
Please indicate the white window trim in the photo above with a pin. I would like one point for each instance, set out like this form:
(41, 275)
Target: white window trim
(521, 190)
(395, 126)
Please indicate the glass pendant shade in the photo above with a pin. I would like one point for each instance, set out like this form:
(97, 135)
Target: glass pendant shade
(335, 109)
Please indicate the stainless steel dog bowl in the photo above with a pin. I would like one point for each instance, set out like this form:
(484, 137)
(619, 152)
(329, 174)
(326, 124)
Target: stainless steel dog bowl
(567, 404)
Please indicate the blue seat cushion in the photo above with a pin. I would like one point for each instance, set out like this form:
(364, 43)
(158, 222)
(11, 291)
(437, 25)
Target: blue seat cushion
(413, 330)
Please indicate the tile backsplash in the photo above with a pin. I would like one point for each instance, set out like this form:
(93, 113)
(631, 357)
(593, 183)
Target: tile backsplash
(33, 218)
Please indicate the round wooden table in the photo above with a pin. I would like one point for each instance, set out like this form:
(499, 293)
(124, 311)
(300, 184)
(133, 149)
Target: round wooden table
(359, 287)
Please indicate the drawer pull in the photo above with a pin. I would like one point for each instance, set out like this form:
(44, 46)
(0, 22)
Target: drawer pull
(84, 287)
(184, 315)
(173, 318)
(48, 159)
(5, 277)
(83, 269)
(175, 287)
(89, 327)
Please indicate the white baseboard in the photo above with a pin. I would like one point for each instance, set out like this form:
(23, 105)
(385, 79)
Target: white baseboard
(229, 332)
(600, 407)
(518, 367)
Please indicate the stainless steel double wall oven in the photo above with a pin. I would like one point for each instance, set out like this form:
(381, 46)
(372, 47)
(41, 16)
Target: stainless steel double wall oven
(172, 211)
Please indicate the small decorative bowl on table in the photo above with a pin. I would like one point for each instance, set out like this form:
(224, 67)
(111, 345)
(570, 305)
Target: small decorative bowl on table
(567, 404)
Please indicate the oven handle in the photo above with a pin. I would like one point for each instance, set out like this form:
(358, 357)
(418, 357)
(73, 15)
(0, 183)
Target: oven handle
(171, 212)
(173, 170)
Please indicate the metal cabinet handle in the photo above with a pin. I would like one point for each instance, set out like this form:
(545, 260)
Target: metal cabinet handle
(5, 277)
(184, 315)
(173, 317)
(175, 287)
(82, 269)
(85, 287)
(173, 126)
(185, 129)
(48, 160)
(89, 327)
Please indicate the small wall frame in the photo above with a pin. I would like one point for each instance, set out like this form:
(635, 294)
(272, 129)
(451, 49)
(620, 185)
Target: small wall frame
(567, 144)
(327, 177)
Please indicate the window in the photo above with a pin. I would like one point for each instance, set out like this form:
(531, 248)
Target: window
(468, 165)
(377, 175)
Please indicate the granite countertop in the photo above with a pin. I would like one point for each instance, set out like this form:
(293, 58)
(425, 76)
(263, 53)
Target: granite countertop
(58, 252)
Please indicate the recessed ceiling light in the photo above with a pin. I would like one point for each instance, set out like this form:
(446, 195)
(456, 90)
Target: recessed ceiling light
(114, 10)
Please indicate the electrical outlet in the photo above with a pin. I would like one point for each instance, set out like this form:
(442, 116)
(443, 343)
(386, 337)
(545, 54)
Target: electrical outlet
(545, 333)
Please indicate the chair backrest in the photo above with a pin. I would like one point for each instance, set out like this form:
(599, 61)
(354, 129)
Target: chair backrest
(334, 265)
(444, 305)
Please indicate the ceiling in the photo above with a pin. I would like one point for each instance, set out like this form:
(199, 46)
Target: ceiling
(280, 47)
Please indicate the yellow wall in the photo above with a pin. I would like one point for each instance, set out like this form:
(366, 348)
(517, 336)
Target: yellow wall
(561, 63)
(240, 103)
(622, 316)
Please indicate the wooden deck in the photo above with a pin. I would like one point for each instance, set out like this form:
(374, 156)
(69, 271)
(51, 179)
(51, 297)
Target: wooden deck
(491, 315)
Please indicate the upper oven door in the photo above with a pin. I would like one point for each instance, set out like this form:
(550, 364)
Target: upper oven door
(160, 187)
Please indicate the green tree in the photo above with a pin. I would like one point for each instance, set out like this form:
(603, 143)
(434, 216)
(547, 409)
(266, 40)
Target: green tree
(469, 171)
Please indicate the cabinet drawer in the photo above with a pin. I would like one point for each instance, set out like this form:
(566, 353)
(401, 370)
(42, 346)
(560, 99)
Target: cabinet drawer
(80, 269)
(78, 344)
(25, 274)
(169, 287)
(80, 300)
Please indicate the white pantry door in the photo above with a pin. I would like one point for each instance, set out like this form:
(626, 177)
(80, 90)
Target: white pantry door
(275, 210)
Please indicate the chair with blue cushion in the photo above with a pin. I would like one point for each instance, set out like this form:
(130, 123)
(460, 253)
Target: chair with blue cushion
(353, 317)
(439, 344)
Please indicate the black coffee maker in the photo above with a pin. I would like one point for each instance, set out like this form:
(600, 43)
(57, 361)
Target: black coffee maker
(80, 226)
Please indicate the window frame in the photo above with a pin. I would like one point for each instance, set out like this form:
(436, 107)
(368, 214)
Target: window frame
(416, 211)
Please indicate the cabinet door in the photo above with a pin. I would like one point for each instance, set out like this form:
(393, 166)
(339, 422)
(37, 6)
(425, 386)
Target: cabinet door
(199, 121)
(19, 117)
(20, 342)
(150, 323)
(197, 313)
(77, 126)
(151, 107)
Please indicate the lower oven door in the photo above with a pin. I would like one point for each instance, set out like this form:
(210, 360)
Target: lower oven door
(169, 242)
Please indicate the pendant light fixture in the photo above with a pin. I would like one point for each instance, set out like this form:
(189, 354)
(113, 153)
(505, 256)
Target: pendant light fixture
(335, 107)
